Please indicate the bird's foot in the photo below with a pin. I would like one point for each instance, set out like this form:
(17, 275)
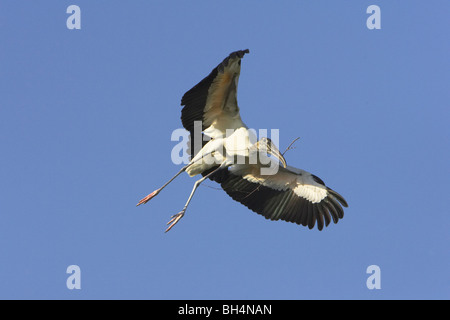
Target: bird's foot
(174, 219)
(149, 197)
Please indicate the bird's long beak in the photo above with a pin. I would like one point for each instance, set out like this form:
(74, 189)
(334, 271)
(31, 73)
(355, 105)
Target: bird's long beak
(276, 153)
(271, 149)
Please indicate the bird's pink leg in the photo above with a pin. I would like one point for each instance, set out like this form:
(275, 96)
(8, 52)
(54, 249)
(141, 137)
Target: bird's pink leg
(155, 193)
(149, 197)
(176, 217)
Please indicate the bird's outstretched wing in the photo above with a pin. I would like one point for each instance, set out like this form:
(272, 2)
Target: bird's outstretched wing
(214, 99)
(291, 195)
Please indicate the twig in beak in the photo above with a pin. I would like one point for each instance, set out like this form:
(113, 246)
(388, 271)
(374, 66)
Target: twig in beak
(289, 147)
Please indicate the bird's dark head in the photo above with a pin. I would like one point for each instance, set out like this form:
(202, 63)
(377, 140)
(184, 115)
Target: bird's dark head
(266, 145)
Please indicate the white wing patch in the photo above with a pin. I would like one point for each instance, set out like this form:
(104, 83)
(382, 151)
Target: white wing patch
(312, 193)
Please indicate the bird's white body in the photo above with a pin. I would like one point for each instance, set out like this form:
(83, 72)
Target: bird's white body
(225, 149)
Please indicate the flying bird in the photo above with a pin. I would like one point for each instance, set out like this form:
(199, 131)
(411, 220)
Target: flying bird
(229, 155)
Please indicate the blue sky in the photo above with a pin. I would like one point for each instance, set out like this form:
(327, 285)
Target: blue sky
(85, 123)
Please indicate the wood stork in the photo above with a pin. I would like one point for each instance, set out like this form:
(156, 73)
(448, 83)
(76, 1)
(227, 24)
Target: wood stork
(289, 194)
